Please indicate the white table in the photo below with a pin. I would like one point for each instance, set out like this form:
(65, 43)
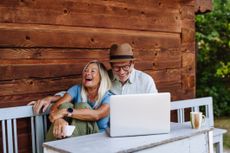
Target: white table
(181, 139)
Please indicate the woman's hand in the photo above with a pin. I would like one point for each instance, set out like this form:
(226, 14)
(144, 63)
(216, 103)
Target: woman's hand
(57, 114)
(58, 129)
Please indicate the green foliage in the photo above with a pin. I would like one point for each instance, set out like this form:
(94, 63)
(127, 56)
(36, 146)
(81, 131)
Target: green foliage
(213, 61)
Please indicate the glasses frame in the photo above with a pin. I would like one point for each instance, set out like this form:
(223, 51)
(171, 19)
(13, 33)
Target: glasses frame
(124, 67)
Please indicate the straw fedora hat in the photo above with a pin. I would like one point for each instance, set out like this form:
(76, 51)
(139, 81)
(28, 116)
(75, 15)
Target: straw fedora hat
(121, 53)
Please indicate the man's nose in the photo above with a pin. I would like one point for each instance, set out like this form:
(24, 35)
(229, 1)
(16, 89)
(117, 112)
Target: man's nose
(121, 71)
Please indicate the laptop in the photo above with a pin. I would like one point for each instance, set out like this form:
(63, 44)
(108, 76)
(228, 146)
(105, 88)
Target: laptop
(139, 114)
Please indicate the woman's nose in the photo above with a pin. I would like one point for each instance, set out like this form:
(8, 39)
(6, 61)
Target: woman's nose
(87, 73)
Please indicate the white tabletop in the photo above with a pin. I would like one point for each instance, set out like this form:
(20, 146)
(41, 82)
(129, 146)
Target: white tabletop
(102, 143)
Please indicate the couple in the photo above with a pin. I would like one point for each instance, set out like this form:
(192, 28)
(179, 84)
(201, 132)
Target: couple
(89, 110)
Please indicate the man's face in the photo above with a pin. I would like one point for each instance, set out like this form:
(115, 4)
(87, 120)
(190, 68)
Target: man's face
(122, 70)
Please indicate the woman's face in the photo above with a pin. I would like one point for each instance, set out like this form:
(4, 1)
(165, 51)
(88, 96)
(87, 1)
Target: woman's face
(91, 76)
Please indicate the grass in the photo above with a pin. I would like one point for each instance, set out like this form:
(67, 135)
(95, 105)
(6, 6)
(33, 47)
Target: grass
(225, 124)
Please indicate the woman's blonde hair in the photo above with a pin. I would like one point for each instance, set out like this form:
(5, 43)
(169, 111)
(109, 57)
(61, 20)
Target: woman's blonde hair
(105, 83)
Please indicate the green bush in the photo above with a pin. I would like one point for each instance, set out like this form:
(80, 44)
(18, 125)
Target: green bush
(213, 59)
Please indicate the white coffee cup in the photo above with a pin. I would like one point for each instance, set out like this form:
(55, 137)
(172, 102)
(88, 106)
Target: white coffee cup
(68, 130)
(197, 119)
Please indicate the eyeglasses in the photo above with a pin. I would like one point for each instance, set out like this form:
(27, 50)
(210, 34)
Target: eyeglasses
(124, 68)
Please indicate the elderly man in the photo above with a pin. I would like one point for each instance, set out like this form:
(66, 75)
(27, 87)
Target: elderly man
(125, 78)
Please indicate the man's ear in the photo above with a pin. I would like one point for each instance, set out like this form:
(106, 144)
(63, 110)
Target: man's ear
(133, 63)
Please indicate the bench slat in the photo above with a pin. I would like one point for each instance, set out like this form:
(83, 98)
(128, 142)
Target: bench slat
(4, 136)
(39, 129)
(32, 134)
(15, 136)
(9, 136)
(18, 112)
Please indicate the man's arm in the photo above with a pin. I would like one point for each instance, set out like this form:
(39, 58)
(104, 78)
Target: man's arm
(41, 105)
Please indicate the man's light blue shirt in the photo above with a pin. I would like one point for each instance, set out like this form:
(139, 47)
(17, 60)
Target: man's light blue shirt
(138, 82)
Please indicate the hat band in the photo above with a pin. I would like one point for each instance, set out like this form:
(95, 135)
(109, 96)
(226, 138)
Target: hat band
(121, 57)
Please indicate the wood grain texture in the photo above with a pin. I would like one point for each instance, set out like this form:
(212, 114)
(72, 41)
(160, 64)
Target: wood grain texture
(202, 6)
(71, 63)
(52, 53)
(23, 99)
(45, 44)
(101, 14)
(77, 37)
(55, 41)
(28, 86)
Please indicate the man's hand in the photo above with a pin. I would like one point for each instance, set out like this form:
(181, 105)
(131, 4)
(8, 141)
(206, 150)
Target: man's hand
(57, 114)
(58, 129)
(41, 105)
(54, 108)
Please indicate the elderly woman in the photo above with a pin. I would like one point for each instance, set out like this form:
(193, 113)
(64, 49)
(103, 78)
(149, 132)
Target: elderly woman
(89, 110)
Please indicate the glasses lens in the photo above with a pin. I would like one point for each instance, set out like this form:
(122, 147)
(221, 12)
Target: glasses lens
(118, 68)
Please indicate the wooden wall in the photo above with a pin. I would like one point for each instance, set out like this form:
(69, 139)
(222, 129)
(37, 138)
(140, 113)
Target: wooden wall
(45, 43)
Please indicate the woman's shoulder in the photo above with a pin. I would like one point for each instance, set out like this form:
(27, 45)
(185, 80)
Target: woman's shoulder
(109, 93)
(75, 87)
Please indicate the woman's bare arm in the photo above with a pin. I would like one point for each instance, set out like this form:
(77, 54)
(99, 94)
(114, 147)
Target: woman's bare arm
(82, 114)
(64, 99)
(91, 115)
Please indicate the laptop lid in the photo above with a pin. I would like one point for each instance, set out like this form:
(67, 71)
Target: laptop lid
(139, 114)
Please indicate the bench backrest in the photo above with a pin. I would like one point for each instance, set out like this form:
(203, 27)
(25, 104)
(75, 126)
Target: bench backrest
(195, 105)
(8, 118)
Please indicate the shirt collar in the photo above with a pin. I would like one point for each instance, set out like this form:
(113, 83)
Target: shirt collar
(131, 77)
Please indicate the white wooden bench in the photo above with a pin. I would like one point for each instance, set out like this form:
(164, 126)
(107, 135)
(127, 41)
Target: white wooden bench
(196, 105)
(9, 116)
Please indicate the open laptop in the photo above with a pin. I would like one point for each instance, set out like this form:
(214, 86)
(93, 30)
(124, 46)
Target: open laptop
(139, 114)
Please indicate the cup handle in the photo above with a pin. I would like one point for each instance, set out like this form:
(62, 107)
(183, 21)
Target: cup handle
(203, 119)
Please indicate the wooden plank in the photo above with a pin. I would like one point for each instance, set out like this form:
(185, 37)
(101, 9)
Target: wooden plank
(188, 35)
(188, 81)
(168, 81)
(188, 63)
(138, 16)
(164, 76)
(186, 93)
(52, 68)
(188, 47)
(187, 12)
(188, 23)
(158, 58)
(23, 99)
(202, 6)
(28, 86)
(20, 71)
(75, 37)
(187, 2)
(53, 53)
